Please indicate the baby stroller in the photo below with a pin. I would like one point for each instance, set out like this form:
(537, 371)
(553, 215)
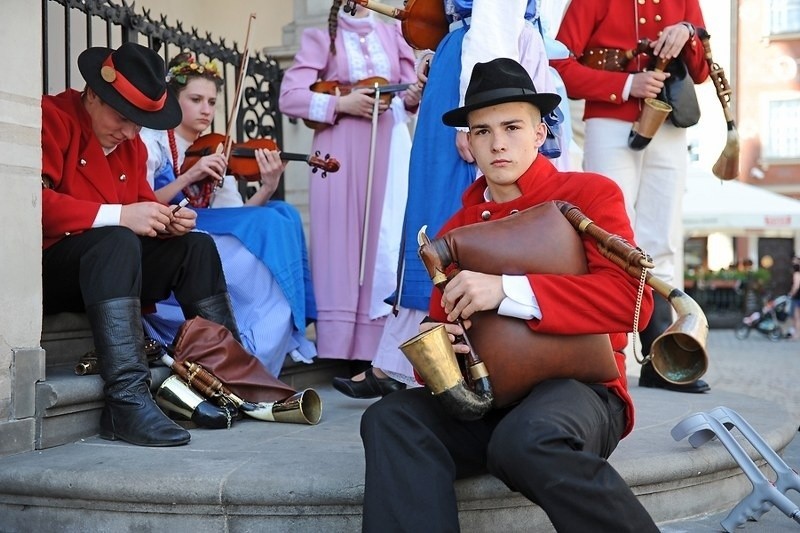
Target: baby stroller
(766, 321)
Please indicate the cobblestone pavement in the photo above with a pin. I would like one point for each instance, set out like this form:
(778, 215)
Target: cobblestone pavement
(765, 369)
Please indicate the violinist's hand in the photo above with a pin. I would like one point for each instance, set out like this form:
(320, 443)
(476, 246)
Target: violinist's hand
(454, 333)
(413, 95)
(469, 292)
(648, 84)
(359, 103)
(148, 219)
(184, 221)
(271, 167)
(212, 166)
(462, 146)
(423, 66)
(671, 41)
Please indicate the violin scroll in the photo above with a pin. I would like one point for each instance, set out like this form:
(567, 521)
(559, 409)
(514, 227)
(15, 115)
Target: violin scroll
(326, 164)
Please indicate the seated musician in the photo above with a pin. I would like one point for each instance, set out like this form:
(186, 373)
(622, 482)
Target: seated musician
(552, 446)
(109, 244)
(260, 240)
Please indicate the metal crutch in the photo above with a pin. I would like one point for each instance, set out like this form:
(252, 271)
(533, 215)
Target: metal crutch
(764, 493)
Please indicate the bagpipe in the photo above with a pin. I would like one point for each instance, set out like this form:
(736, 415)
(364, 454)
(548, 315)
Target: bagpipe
(677, 101)
(215, 378)
(506, 357)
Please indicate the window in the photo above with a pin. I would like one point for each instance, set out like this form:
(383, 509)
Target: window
(784, 16)
(781, 135)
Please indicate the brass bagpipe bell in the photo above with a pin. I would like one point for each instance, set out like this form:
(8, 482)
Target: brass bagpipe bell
(654, 113)
(432, 356)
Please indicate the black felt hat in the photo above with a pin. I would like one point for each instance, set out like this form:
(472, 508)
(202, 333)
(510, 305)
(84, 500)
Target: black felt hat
(497, 82)
(131, 79)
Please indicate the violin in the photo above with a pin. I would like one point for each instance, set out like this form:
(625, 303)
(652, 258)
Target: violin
(242, 161)
(333, 87)
(241, 157)
(423, 22)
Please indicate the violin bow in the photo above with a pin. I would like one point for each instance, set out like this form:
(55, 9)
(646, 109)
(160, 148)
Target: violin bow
(370, 172)
(237, 100)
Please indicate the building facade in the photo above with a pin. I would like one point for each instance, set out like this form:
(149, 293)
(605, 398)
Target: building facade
(767, 83)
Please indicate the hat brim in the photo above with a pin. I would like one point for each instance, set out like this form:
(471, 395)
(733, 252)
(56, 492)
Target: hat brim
(546, 102)
(89, 63)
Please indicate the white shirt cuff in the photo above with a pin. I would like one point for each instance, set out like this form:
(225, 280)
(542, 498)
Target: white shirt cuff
(520, 302)
(108, 215)
(626, 91)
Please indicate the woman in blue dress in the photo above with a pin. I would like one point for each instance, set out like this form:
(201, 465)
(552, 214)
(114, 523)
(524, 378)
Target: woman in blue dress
(260, 241)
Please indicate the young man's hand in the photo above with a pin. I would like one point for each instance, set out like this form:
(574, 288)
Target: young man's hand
(469, 292)
(183, 221)
(152, 219)
(148, 219)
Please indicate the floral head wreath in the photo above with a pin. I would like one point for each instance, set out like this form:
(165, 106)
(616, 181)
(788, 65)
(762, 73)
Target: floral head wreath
(190, 67)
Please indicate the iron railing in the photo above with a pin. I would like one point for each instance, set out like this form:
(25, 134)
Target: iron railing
(70, 26)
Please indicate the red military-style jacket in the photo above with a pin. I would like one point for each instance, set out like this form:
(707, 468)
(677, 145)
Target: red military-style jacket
(77, 176)
(601, 301)
(619, 24)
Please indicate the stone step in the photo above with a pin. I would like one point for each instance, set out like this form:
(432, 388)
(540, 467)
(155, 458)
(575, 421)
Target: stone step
(263, 476)
(65, 337)
(68, 406)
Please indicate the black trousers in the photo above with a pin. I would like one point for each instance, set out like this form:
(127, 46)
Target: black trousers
(552, 448)
(113, 262)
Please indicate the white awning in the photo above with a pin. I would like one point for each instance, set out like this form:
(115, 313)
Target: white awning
(711, 205)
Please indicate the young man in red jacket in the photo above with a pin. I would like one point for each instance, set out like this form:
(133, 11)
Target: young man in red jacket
(109, 245)
(551, 446)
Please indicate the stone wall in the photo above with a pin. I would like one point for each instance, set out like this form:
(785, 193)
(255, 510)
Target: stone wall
(21, 358)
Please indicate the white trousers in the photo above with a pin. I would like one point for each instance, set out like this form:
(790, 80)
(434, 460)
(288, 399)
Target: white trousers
(653, 182)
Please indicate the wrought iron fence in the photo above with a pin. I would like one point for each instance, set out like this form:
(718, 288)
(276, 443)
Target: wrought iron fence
(70, 26)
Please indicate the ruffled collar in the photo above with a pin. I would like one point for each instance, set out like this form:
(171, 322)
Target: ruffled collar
(359, 25)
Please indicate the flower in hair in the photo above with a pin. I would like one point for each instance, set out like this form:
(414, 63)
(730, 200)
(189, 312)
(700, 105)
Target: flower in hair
(190, 67)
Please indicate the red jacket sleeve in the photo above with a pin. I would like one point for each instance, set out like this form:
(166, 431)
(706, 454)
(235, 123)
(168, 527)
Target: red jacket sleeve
(602, 300)
(62, 213)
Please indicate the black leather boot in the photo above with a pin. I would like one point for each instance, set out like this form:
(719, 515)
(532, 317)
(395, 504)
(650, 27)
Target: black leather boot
(130, 412)
(215, 308)
(659, 322)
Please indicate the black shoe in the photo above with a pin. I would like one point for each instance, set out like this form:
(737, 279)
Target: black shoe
(369, 387)
(651, 379)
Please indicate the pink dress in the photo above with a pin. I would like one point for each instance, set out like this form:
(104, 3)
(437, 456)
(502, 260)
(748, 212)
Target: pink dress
(365, 48)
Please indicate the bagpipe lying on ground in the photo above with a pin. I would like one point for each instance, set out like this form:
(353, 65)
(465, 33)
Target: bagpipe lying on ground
(215, 379)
